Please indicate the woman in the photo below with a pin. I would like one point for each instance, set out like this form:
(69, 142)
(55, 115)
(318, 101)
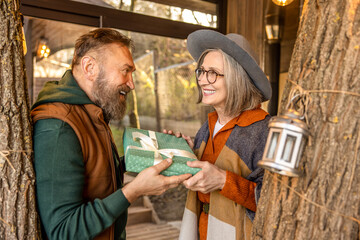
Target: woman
(221, 203)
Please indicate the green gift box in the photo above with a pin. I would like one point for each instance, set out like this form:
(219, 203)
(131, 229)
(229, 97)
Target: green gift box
(144, 149)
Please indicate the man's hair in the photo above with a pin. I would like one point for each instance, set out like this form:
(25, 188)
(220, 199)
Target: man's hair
(241, 93)
(95, 40)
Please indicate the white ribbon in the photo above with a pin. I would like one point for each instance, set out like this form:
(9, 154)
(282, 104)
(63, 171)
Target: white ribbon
(149, 143)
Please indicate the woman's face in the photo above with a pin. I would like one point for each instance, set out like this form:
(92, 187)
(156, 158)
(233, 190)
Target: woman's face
(213, 94)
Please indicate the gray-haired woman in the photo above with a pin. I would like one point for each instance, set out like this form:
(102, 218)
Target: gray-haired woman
(222, 200)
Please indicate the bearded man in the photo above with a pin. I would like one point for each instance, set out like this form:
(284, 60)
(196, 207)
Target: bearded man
(79, 174)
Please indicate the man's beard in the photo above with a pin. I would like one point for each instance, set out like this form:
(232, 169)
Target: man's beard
(108, 98)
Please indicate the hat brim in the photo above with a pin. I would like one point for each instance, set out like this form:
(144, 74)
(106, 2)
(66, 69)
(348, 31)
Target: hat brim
(201, 40)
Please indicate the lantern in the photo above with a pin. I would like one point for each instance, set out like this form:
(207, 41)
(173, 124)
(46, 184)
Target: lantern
(285, 144)
(43, 48)
(282, 2)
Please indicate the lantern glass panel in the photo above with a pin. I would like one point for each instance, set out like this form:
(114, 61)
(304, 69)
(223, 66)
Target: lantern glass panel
(289, 148)
(273, 144)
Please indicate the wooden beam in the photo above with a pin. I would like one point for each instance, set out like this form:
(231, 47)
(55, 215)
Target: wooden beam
(92, 15)
(222, 16)
(64, 16)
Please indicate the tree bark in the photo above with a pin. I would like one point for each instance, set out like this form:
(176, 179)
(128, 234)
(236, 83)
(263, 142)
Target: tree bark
(18, 216)
(325, 202)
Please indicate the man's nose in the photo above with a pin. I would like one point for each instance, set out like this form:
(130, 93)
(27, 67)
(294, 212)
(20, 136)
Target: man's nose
(130, 82)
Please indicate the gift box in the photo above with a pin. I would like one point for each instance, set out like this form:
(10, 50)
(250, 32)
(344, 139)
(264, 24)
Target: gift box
(144, 149)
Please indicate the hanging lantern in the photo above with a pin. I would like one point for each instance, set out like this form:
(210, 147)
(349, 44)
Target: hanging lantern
(43, 48)
(282, 2)
(285, 144)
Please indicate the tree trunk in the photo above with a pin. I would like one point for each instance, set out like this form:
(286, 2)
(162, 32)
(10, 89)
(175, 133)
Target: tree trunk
(18, 216)
(325, 202)
(132, 110)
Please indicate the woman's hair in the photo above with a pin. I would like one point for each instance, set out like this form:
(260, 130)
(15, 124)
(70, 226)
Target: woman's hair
(241, 93)
(97, 39)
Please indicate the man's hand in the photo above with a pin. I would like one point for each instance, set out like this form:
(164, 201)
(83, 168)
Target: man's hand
(179, 134)
(150, 182)
(209, 179)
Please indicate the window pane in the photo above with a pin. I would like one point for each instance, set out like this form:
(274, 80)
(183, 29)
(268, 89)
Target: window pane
(273, 144)
(288, 149)
(195, 12)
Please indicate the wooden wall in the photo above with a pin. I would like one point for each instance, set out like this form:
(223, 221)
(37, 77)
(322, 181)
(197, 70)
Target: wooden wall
(246, 18)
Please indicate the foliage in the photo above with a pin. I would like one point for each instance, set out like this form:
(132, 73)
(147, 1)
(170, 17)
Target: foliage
(164, 11)
(118, 138)
(182, 95)
(177, 90)
(145, 83)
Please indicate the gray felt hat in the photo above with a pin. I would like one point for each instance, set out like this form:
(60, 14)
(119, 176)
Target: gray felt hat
(237, 47)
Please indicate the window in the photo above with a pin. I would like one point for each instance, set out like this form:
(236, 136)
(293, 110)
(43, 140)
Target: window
(165, 84)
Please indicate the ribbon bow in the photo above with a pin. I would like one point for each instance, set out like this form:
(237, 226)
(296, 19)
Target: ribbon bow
(149, 143)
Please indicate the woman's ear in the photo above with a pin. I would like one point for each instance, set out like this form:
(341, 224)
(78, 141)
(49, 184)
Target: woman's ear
(89, 67)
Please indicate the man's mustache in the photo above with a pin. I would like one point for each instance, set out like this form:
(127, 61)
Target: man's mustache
(124, 89)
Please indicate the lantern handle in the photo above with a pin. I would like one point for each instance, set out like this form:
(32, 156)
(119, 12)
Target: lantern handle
(291, 104)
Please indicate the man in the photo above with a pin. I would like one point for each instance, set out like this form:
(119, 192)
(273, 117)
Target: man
(79, 174)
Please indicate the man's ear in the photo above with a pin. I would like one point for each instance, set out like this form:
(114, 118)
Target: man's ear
(89, 67)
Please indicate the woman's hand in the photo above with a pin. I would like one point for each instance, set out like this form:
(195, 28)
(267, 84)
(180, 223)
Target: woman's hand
(209, 179)
(179, 134)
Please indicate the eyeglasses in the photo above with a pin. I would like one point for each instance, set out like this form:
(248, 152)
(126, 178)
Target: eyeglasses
(211, 75)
